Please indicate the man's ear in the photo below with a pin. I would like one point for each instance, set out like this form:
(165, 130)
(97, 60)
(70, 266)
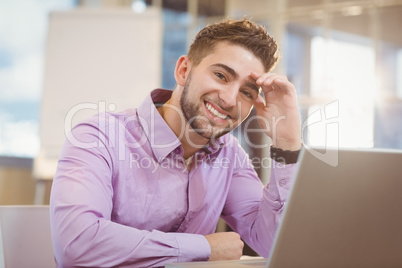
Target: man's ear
(183, 67)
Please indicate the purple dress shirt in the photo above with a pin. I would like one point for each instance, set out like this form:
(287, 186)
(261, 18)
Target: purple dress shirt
(123, 195)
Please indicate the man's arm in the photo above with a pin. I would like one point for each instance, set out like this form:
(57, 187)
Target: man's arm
(252, 212)
(81, 207)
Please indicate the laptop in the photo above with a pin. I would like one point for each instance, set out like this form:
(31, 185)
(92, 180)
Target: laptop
(25, 239)
(344, 210)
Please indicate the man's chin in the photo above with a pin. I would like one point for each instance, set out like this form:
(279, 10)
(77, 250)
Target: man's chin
(213, 135)
(210, 132)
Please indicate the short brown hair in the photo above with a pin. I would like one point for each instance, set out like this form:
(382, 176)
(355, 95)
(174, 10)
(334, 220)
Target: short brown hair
(246, 33)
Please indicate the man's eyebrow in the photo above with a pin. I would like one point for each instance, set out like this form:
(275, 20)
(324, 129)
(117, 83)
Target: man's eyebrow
(233, 73)
(227, 68)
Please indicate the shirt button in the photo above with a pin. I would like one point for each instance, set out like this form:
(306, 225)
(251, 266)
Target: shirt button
(282, 182)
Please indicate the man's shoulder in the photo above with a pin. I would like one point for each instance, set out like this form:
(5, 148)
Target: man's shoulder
(125, 117)
(110, 124)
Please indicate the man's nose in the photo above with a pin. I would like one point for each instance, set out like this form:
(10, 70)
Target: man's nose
(228, 97)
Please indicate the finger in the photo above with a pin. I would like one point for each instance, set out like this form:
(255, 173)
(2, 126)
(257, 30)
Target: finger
(260, 77)
(284, 84)
(267, 86)
(259, 103)
(267, 82)
(255, 75)
(265, 78)
(279, 81)
(276, 83)
(273, 77)
(270, 81)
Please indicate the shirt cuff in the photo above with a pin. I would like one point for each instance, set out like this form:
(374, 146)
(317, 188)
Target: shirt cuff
(192, 247)
(284, 156)
(282, 176)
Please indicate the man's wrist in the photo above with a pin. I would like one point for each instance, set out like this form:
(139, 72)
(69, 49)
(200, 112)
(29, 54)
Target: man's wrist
(284, 156)
(287, 145)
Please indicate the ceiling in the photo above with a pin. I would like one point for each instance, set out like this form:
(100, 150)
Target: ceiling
(353, 16)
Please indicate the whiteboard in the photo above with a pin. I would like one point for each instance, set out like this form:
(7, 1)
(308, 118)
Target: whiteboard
(96, 59)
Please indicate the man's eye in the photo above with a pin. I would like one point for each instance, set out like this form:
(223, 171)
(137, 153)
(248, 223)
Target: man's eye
(220, 76)
(247, 94)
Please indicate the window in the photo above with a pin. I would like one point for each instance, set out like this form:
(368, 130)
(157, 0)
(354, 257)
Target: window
(399, 71)
(23, 27)
(344, 74)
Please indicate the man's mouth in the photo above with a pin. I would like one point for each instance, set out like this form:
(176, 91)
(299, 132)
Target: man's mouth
(215, 112)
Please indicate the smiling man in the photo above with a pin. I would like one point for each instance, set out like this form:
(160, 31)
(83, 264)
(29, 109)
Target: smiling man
(160, 176)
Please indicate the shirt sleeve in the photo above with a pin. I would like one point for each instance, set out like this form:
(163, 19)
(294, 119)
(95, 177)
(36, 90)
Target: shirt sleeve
(254, 211)
(81, 207)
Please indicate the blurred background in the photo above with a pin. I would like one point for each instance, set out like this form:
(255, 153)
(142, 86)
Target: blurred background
(344, 57)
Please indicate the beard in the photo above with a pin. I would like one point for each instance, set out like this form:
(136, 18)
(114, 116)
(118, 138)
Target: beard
(200, 124)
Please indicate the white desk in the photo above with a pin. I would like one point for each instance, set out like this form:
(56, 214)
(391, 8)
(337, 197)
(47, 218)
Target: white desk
(245, 262)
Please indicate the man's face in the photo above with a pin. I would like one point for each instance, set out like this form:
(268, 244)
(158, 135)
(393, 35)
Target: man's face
(219, 92)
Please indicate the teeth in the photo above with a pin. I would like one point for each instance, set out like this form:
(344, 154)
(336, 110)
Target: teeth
(215, 112)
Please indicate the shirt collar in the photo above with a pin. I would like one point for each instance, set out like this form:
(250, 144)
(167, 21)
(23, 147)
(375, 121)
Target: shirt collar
(160, 136)
(213, 146)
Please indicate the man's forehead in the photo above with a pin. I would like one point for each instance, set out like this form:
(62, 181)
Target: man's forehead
(229, 53)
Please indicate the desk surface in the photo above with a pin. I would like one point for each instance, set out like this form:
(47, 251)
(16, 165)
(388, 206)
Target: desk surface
(249, 262)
